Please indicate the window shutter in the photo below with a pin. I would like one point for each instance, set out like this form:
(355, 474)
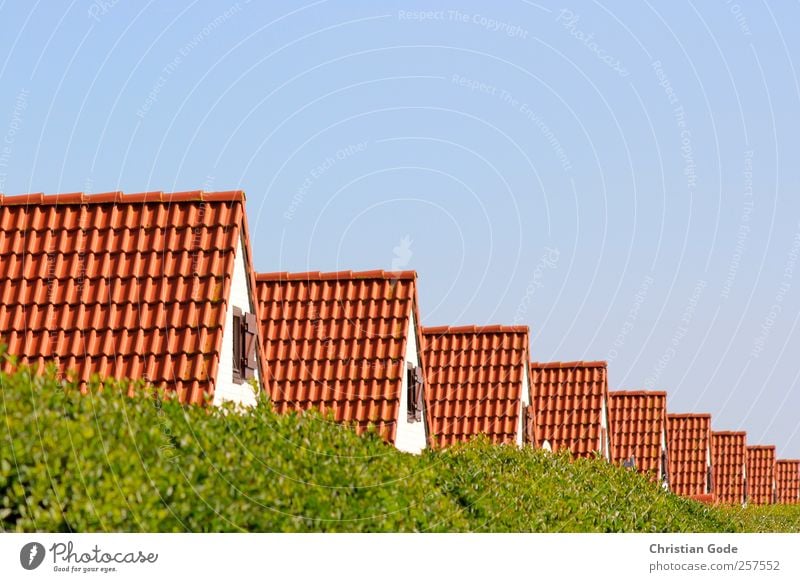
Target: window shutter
(411, 385)
(249, 337)
(418, 384)
(237, 345)
(526, 438)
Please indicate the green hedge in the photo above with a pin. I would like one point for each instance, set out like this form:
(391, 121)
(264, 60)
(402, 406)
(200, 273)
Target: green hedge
(108, 462)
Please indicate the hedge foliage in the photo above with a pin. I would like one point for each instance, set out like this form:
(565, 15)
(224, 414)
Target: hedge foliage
(105, 461)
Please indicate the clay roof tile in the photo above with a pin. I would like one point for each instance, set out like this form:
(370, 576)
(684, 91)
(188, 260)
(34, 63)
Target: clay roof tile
(787, 477)
(637, 421)
(568, 402)
(98, 266)
(475, 380)
(688, 444)
(729, 458)
(336, 341)
(761, 474)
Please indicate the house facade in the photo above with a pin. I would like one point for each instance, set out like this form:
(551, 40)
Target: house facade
(347, 343)
(689, 452)
(569, 407)
(477, 383)
(142, 286)
(729, 462)
(638, 424)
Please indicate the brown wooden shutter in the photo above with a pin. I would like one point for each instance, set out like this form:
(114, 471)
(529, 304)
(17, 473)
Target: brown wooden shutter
(237, 345)
(249, 339)
(525, 421)
(410, 386)
(418, 385)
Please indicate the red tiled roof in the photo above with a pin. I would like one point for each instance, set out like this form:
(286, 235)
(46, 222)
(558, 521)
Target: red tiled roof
(708, 498)
(638, 421)
(567, 404)
(688, 442)
(760, 474)
(728, 458)
(337, 341)
(474, 379)
(120, 285)
(787, 475)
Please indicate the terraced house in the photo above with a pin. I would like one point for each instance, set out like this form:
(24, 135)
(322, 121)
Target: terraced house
(152, 285)
(569, 407)
(638, 421)
(347, 343)
(477, 383)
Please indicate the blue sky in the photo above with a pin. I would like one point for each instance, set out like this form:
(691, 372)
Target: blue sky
(621, 179)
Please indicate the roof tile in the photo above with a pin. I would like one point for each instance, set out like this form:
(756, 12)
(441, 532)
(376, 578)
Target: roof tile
(474, 381)
(729, 459)
(567, 403)
(760, 474)
(337, 341)
(120, 285)
(637, 421)
(787, 475)
(688, 443)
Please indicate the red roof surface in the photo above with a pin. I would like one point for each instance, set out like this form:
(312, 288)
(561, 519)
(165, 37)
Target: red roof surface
(120, 285)
(567, 403)
(475, 378)
(688, 442)
(728, 459)
(638, 421)
(337, 341)
(760, 474)
(787, 475)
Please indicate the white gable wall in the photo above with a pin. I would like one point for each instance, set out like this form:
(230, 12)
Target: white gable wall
(605, 436)
(226, 389)
(411, 436)
(524, 402)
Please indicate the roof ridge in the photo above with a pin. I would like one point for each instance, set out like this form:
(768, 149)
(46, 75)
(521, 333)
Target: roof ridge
(730, 432)
(118, 197)
(787, 460)
(572, 364)
(638, 392)
(689, 414)
(336, 275)
(760, 446)
(493, 328)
